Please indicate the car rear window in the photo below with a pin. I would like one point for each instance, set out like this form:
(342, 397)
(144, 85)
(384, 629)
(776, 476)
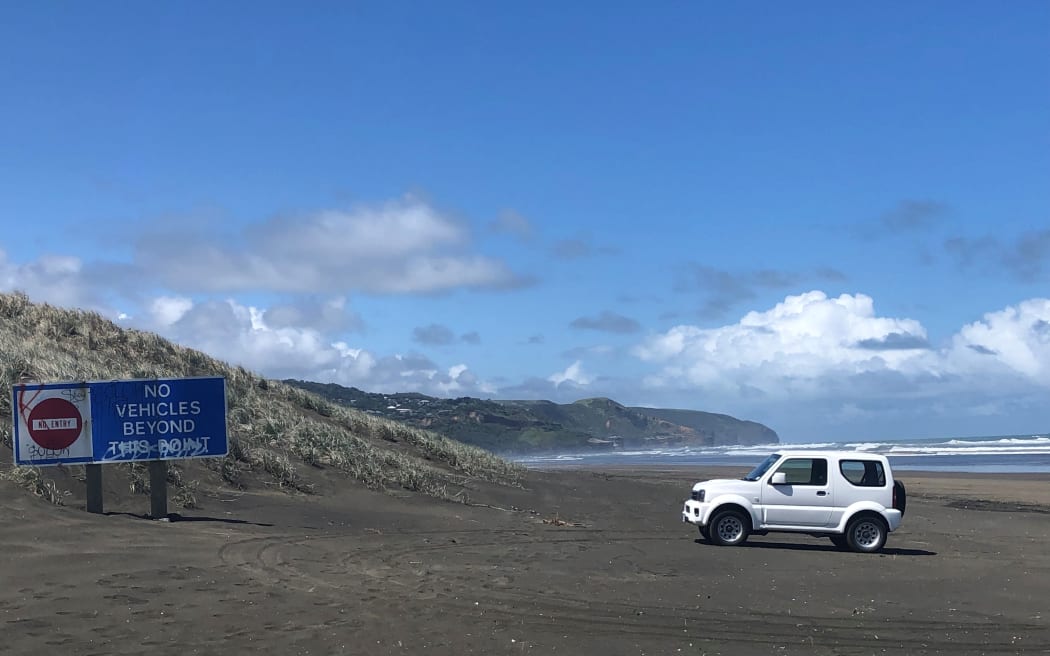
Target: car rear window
(863, 473)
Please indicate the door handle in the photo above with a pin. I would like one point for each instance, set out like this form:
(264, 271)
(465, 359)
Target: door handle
(821, 493)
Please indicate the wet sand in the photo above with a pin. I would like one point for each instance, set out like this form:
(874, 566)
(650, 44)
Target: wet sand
(577, 562)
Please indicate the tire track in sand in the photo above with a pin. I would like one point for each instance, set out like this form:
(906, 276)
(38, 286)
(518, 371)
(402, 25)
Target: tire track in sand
(394, 562)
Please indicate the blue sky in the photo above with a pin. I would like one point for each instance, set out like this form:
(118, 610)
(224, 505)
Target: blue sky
(827, 217)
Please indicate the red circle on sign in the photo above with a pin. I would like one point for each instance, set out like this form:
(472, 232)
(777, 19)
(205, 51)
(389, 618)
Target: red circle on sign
(55, 423)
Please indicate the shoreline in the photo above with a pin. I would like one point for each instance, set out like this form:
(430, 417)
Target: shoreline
(1022, 490)
(731, 469)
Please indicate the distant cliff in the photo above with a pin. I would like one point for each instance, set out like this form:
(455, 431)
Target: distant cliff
(722, 429)
(543, 426)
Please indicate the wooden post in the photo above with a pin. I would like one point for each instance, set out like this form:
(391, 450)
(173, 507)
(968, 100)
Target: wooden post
(158, 489)
(94, 488)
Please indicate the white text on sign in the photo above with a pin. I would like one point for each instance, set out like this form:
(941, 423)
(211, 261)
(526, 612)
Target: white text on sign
(174, 414)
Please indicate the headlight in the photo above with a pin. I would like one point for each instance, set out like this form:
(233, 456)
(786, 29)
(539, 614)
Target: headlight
(698, 495)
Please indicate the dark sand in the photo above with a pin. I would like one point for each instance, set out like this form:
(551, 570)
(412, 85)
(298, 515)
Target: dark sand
(364, 573)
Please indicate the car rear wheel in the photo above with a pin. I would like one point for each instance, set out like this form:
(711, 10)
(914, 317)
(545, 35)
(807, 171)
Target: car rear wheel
(729, 528)
(866, 533)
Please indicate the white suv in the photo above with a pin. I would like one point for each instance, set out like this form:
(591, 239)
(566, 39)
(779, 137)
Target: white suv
(848, 496)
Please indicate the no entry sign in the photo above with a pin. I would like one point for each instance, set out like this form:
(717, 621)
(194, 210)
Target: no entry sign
(52, 424)
(55, 424)
(118, 421)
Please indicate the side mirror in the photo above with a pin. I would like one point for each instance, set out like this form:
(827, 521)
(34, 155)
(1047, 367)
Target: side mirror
(779, 478)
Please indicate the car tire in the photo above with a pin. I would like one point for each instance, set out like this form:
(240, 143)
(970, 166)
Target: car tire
(839, 541)
(729, 528)
(900, 496)
(705, 533)
(866, 533)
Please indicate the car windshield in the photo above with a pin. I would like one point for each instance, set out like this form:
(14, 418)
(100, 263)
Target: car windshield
(757, 472)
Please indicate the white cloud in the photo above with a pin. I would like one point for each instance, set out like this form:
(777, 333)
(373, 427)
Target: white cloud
(166, 310)
(812, 345)
(1014, 340)
(399, 247)
(801, 340)
(330, 315)
(56, 279)
(573, 374)
(243, 335)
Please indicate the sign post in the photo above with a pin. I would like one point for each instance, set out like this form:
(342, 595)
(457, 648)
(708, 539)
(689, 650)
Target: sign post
(100, 422)
(158, 489)
(94, 488)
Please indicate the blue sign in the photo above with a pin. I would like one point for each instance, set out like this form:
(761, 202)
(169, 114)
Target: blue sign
(120, 421)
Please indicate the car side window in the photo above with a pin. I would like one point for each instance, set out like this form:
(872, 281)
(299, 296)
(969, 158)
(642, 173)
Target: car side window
(863, 473)
(805, 471)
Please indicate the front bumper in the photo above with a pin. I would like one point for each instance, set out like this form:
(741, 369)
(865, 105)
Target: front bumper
(696, 512)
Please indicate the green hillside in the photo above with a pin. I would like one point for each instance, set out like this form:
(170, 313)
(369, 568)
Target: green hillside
(515, 427)
(721, 428)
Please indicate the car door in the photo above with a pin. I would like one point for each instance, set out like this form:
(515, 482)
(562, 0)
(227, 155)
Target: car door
(804, 500)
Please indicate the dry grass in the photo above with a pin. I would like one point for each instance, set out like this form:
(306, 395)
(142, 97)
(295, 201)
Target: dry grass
(274, 429)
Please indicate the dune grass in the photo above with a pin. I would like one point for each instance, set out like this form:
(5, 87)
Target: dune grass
(274, 428)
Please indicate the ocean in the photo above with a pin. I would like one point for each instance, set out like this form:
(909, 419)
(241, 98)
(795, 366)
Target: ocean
(994, 454)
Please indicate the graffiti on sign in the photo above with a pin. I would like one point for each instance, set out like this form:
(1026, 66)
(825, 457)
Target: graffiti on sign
(124, 420)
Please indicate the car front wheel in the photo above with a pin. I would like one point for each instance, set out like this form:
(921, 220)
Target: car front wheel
(729, 528)
(866, 534)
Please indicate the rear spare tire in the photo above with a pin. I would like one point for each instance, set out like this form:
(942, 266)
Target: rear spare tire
(900, 497)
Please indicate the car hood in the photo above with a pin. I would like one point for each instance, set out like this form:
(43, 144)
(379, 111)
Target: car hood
(726, 486)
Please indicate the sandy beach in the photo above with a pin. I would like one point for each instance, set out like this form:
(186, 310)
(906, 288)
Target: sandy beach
(575, 562)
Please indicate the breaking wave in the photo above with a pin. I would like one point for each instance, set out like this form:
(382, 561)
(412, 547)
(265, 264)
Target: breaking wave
(993, 453)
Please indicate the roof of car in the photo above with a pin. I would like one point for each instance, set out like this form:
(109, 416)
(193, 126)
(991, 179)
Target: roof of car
(807, 453)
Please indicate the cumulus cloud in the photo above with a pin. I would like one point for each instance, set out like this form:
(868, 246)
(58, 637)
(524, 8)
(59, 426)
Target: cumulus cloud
(56, 279)
(811, 345)
(166, 310)
(1017, 338)
(804, 338)
(242, 335)
(399, 247)
(607, 321)
(573, 375)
